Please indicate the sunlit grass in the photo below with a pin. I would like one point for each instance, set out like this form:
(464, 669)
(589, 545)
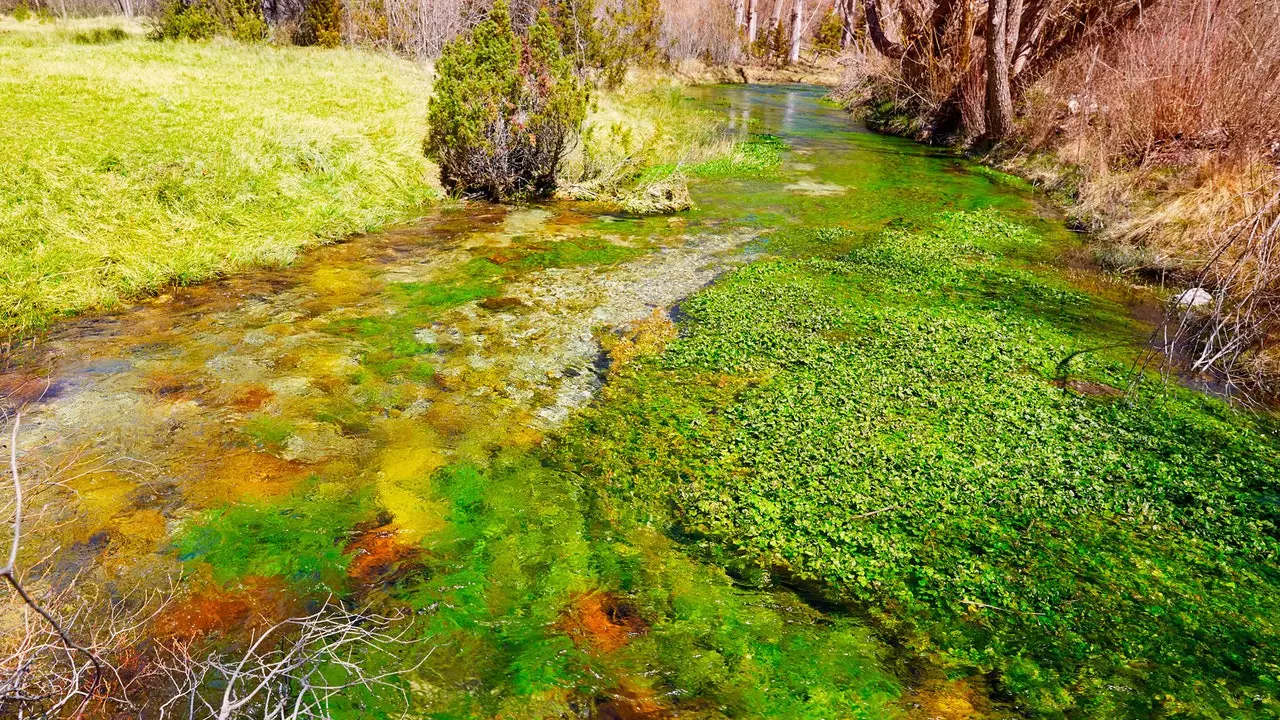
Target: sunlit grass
(129, 165)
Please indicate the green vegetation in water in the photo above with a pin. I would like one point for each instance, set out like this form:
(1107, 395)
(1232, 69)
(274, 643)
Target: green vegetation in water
(530, 593)
(268, 432)
(395, 350)
(884, 423)
(758, 156)
(299, 540)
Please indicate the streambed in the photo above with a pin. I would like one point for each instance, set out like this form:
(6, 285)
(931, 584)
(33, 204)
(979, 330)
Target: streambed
(368, 423)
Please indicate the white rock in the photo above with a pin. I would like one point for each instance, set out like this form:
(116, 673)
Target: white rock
(1194, 298)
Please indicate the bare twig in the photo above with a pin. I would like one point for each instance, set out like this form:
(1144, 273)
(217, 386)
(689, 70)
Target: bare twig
(9, 571)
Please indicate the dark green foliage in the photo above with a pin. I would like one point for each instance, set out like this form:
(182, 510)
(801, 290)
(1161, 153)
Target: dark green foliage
(885, 424)
(202, 19)
(243, 20)
(773, 45)
(321, 24)
(636, 27)
(183, 20)
(504, 109)
(827, 38)
(99, 36)
(21, 12)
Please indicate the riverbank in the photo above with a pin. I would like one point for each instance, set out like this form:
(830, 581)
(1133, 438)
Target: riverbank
(130, 166)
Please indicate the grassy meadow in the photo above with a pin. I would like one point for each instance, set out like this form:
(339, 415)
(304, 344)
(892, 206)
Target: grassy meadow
(127, 165)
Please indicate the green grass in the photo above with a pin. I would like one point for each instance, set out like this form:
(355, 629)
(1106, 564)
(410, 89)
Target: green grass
(880, 422)
(130, 165)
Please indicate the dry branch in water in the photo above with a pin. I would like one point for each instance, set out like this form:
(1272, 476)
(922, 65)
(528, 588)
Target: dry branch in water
(1231, 335)
(294, 670)
(15, 688)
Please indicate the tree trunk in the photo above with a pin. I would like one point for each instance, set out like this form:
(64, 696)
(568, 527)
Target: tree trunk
(999, 105)
(797, 30)
(739, 14)
(849, 11)
(882, 43)
(751, 21)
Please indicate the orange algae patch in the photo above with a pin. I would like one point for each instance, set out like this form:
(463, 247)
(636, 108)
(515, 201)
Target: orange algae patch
(631, 701)
(132, 536)
(19, 388)
(602, 622)
(172, 386)
(250, 397)
(256, 604)
(947, 700)
(379, 556)
(241, 474)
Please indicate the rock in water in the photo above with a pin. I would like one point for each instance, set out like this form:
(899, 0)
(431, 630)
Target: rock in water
(1193, 298)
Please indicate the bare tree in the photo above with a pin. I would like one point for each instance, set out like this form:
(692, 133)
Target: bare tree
(16, 687)
(936, 44)
(797, 30)
(999, 105)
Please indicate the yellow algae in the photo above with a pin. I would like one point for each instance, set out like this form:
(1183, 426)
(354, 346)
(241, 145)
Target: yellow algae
(339, 284)
(103, 495)
(411, 453)
(133, 535)
(244, 474)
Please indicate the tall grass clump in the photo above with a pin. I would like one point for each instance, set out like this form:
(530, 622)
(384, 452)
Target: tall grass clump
(639, 143)
(100, 36)
(175, 162)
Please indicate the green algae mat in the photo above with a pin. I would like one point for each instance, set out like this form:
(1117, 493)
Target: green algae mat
(824, 447)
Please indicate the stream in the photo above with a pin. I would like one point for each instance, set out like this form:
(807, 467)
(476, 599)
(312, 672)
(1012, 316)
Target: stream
(368, 423)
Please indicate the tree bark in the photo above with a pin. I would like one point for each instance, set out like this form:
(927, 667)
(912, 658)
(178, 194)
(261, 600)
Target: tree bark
(999, 104)
(751, 21)
(797, 30)
(882, 43)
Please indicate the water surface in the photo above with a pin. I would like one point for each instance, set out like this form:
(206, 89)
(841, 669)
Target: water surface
(370, 423)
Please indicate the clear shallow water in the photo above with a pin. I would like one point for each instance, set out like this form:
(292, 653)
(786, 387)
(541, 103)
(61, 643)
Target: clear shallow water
(369, 423)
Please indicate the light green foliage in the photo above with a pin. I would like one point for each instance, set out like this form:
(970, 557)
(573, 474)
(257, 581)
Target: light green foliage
(757, 156)
(639, 141)
(267, 432)
(888, 428)
(177, 161)
(21, 12)
(504, 109)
